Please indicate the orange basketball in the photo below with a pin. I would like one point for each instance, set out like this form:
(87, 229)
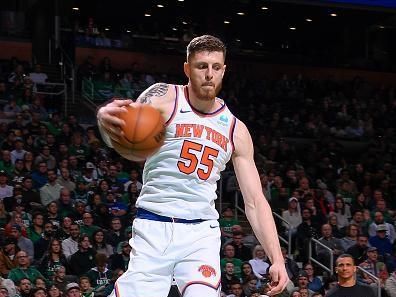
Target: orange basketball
(144, 130)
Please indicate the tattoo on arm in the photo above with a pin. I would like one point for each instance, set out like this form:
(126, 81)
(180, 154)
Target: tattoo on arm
(156, 90)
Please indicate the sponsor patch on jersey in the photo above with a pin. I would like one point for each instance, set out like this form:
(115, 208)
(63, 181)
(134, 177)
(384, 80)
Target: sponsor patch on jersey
(207, 271)
(224, 118)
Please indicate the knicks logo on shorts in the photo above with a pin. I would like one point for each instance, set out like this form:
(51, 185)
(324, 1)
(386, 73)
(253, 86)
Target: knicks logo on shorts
(207, 271)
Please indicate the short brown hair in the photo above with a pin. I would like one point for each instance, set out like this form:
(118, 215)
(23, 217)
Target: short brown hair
(205, 43)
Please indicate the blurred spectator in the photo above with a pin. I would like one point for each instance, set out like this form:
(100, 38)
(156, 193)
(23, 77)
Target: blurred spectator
(302, 284)
(43, 243)
(60, 279)
(82, 260)
(100, 275)
(30, 195)
(121, 260)
(87, 226)
(24, 287)
(229, 256)
(237, 290)
(228, 277)
(18, 152)
(250, 286)
(28, 161)
(306, 230)
(293, 216)
(8, 259)
(86, 287)
(342, 212)
(4, 215)
(351, 237)
(359, 250)
(53, 291)
(87, 69)
(46, 157)
(24, 270)
(37, 76)
(11, 109)
(70, 244)
(241, 251)
(7, 145)
(381, 241)
(109, 288)
(115, 235)
(335, 230)
(6, 190)
(77, 148)
(39, 175)
(63, 231)
(259, 263)
(379, 220)
(52, 259)
(38, 292)
(16, 219)
(35, 231)
(331, 242)
(73, 290)
(226, 222)
(390, 285)
(65, 204)
(52, 214)
(373, 265)
(314, 282)
(99, 243)
(25, 244)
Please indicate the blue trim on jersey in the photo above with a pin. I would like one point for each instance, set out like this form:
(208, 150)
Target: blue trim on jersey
(148, 215)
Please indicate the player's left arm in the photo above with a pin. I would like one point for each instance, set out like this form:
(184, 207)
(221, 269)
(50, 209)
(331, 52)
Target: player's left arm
(257, 209)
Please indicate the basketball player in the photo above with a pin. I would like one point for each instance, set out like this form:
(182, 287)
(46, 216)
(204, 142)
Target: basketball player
(347, 285)
(176, 232)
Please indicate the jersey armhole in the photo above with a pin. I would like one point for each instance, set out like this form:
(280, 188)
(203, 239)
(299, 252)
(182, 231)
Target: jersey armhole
(232, 131)
(174, 106)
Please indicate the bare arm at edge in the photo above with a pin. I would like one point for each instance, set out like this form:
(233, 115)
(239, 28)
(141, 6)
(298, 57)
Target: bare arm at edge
(257, 209)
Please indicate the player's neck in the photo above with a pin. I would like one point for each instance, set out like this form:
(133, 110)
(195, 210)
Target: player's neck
(205, 106)
(350, 282)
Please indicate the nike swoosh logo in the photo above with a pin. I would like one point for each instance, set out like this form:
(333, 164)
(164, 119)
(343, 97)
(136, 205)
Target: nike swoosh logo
(184, 111)
(213, 226)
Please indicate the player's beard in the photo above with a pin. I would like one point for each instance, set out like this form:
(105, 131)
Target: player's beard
(206, 93)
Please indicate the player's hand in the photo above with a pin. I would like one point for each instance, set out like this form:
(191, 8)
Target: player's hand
(279, 278)
(108, 117)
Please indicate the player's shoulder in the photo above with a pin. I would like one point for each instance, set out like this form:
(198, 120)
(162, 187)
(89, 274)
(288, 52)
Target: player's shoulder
(241, 131)
(157, 93)
(242, 139)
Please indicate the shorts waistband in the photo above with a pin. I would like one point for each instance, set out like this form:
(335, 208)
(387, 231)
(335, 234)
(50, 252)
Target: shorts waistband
(148, 215)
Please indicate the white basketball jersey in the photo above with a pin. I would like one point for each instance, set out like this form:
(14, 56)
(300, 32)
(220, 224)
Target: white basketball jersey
(180, 179)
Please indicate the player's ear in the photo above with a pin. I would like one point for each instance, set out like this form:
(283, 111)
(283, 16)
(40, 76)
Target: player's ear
(224, 68)
(186, 68)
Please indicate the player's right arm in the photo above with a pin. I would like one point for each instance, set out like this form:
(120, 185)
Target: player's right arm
(159, 95)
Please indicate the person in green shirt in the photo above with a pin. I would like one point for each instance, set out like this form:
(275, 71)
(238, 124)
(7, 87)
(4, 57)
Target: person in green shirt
(87, 226)
(226, 223)
(35, 231)
(229, 254)
(24, 270)
(5, 163)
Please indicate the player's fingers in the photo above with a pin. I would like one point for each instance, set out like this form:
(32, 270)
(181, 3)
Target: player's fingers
(114, 132)
(109, 117)
(120, 102)
(135, 104)
(277, 287)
